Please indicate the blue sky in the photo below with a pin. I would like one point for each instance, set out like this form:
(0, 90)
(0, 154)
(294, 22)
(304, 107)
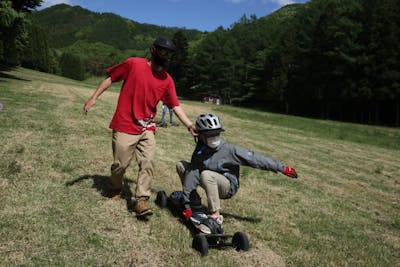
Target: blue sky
(204, 15)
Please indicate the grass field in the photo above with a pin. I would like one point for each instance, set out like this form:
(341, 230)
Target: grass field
(344, 210)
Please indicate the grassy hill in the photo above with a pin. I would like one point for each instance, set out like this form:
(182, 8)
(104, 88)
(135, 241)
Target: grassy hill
(343, 211)
(67, 24)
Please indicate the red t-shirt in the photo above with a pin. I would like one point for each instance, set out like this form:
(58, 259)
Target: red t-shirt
(143, 88)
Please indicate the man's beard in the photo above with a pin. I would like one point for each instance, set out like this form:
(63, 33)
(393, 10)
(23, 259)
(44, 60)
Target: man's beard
(163, 62)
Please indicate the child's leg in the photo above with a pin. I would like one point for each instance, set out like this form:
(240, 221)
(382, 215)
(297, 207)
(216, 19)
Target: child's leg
(216, 186)
(181, 167)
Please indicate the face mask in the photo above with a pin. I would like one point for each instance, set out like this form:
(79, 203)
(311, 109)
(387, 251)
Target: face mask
(213, 141)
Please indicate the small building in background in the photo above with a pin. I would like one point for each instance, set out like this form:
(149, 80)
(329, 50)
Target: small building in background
(212, 99)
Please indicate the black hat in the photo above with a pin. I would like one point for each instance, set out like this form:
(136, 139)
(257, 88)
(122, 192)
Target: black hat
(164, 42)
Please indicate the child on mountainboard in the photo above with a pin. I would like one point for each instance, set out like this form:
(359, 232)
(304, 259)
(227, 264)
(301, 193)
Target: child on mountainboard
(215, 166)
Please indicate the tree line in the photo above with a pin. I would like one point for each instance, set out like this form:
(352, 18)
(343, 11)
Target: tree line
(71, 41)
(329, 59)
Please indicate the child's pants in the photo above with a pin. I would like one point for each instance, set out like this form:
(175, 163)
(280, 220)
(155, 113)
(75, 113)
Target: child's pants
(125, 147)
(215, 184)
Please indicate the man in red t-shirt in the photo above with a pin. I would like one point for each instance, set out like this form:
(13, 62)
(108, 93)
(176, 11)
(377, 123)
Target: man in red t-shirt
(145, 83)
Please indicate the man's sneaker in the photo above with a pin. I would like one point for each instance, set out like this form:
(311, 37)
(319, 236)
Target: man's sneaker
(141, 209)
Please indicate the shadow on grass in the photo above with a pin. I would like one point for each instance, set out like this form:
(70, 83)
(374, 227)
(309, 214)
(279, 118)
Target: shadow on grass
(102, 184)
(242, 218)
(8, 76)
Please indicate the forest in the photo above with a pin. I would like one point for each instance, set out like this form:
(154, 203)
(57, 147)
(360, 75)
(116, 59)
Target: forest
(327, 59)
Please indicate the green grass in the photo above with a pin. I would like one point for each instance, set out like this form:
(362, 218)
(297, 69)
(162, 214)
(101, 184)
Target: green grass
(342, 211)
(373, 135)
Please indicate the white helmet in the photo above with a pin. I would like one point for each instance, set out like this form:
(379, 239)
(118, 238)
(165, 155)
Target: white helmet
(208, 123)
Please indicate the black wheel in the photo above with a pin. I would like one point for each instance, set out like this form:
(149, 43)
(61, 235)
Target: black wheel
(200, 244)
(240, 241)
(161, 199)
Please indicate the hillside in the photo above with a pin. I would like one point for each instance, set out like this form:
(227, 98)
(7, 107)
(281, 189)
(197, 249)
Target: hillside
(66, 25)
(342, 211)
(334, 60)
(262, 34)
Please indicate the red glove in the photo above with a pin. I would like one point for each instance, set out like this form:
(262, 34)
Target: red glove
(187, 213)
(289, 171)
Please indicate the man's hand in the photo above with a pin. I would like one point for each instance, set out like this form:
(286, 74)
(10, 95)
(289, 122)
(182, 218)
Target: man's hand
(185, 120)
(90, 103)
(92, 100)
(192, 130)
(187, 213)
(289, 171)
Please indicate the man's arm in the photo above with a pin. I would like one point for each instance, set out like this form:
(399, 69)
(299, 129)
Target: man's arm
(185, 120)
(105, 84)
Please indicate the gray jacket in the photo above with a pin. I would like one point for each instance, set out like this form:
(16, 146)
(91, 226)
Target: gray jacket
(226, 159)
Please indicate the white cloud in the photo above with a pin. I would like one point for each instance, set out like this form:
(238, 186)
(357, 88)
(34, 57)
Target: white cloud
(48, 3)
(279, 2)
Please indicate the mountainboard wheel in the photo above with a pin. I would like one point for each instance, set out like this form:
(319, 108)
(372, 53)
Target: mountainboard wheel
(161, 199)
(240, 241)
(200, 244)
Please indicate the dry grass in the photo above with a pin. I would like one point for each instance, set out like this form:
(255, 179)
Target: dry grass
(343, 211)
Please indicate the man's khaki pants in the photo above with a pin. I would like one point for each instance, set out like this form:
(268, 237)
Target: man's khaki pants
(143, 148)
(215, 184)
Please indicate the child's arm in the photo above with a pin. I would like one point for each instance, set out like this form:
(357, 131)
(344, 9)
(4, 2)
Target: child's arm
(250, 158)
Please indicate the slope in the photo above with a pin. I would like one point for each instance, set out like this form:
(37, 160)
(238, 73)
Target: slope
(343, 211)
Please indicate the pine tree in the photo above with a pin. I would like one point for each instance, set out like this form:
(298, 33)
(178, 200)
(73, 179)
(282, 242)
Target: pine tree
(72, 66)
(179, 65)
(384, 58)
(13, 34)
(37, 53)
(25, 5)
